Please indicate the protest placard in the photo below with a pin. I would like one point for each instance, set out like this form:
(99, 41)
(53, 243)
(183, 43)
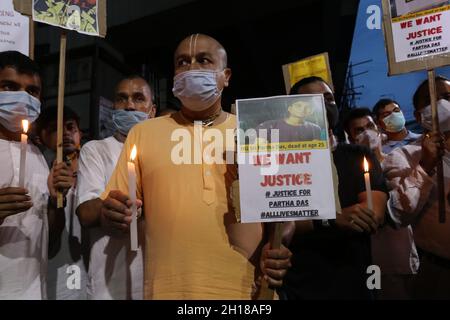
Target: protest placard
(317, 65)
(14, 29)
(83, 16)
(417, 34)
(284, 159)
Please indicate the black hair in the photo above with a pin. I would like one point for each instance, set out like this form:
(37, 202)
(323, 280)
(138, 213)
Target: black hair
(18, 61)
(134, 76)
(50, 114)
(305, 81)
(353, 114)
(381, 104)
(420, 88)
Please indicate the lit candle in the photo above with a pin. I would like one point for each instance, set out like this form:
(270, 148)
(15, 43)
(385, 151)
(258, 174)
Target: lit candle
(132, 195)
(23, 153)
(368, 186)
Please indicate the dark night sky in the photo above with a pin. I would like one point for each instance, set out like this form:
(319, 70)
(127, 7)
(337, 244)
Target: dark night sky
(259, 39)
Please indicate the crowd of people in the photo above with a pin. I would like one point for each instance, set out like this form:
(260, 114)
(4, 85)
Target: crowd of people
(191, 244)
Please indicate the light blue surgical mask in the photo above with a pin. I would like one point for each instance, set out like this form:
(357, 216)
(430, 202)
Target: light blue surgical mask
(16, 106)
(395, 122)
(124, 120)
(197, 89)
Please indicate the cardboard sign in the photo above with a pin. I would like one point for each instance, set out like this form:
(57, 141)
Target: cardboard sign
(284, 158)
(84, 16)
(417, 34)
(14, 29)
(317, 65)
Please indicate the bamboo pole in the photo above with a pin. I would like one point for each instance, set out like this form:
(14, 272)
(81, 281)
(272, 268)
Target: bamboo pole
(61, 86)
(31, 38)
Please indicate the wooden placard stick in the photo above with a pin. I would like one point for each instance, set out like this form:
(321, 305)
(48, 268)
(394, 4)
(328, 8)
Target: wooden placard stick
(61, 84)
(439, 166)
(31, 41)
(266, 292)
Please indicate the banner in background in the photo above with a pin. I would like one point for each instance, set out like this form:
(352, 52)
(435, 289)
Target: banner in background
(79, 15)
(421, 34)
(14, 29)
(317, 65)
(417, 34)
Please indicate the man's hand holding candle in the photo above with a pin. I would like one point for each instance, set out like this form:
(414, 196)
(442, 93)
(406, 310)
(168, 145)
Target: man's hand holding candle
(116, 211)
(13, 201)
(357, 218)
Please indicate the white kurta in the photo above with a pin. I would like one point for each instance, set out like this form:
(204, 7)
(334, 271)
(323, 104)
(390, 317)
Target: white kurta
(115, 272)
(67, 276)
(24, 236)
(414, 198)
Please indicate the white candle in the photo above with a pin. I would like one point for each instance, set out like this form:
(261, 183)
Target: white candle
(23, 153)
(368, 186)
(132, 195)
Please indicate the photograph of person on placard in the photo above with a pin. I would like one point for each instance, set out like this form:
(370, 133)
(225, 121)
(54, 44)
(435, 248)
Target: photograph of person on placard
(297, 119)
(403, 7)
(297, 125)
(79, 15)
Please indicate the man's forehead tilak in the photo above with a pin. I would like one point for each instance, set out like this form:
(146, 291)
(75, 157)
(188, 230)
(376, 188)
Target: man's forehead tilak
(193, 46)
(197, 43)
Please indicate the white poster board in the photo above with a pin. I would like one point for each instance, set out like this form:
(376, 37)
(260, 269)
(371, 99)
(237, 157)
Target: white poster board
(417, 34)
(284, 159)
(14, 29)
(80, 16)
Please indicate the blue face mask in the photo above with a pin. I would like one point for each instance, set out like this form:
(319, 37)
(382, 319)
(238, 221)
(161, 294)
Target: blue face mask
(124, 120)
(395, 122)
(197, 89)
(16, 106)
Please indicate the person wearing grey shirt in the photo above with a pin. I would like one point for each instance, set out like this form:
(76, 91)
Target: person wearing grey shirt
(294, 128)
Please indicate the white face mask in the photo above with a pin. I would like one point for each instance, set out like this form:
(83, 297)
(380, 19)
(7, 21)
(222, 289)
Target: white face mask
(369, 138)
(16, 106)
(395, 122)
(443, 107)
(197, 89)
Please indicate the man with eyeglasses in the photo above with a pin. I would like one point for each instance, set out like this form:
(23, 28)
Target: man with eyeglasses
(115, 272)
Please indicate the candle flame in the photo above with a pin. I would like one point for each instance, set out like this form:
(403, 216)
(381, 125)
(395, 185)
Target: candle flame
(366, 165)
(25, 126)
(133, 153)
